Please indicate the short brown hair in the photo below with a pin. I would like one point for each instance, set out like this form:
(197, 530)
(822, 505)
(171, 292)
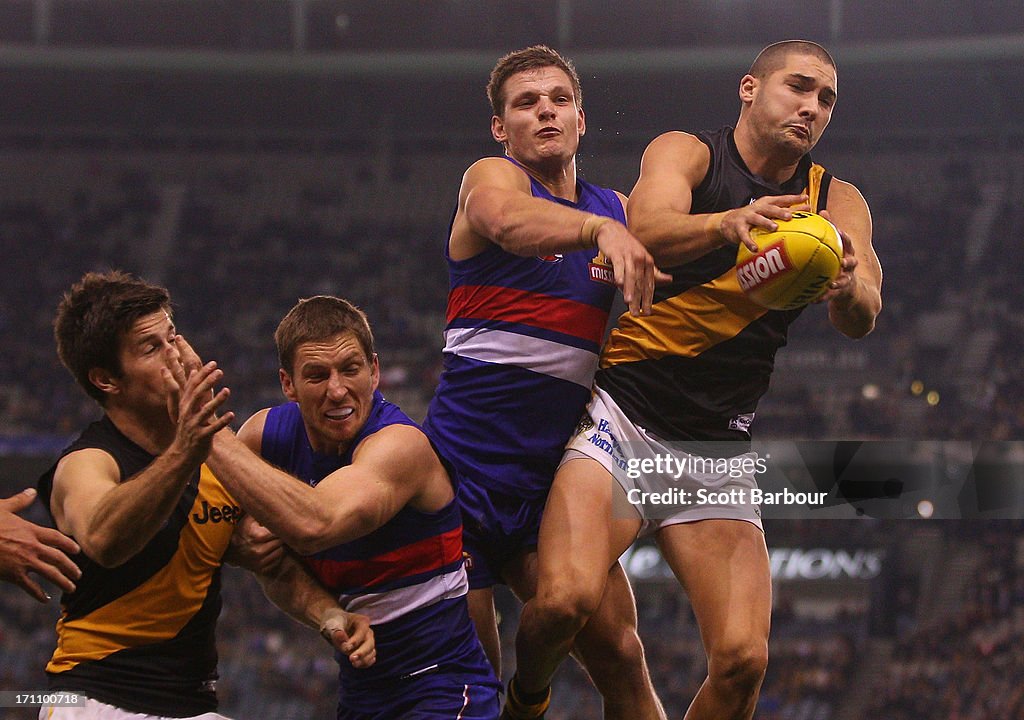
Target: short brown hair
(531, 58)
(95, 315)
(320, 318)
(774, 56)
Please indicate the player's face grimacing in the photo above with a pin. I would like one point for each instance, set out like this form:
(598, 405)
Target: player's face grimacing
(793, 105)
(541, 119)
(333, 382)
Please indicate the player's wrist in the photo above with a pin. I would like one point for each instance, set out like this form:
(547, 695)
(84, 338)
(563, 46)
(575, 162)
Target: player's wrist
(589, 230)
(713, 234)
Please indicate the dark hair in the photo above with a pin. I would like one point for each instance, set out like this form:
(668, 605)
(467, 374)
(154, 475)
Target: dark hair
(317, 319)
(774, 56)
(531, 58)
(95, 315)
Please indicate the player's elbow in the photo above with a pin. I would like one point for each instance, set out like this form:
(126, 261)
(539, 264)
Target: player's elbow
(325, 530)
(106, 550)
(858, 319)
(309, 536)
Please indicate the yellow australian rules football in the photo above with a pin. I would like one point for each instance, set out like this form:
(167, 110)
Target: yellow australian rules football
(793, 265)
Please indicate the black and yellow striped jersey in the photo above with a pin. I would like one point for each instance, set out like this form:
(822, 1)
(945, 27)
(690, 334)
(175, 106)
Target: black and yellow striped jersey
(140, 636)
(696, 367)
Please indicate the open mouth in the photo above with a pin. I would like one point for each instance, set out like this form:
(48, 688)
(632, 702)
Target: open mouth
(548, 132)
(340, 413)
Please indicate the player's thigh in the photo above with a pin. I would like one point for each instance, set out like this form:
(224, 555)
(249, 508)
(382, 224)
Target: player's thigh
(723, 566)
(580, 539)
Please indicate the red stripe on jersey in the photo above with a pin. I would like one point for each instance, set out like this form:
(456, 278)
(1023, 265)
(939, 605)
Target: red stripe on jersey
(487, 302)
(414, 559)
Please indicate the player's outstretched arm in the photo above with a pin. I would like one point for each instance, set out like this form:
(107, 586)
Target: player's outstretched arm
(855, 297)
(659, 206)
(497, 206)
(28, 548)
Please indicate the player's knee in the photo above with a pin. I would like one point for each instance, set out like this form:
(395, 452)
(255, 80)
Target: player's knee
(741, 666)
(567, 608)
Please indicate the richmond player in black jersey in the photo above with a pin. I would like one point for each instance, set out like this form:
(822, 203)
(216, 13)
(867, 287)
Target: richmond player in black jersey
(694, 370)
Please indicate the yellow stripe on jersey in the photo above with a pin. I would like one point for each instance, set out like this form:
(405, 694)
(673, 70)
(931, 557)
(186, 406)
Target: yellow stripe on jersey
(158, 609)
(685, 325)
(696, 319)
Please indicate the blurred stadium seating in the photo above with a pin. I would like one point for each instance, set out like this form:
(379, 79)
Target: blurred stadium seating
(278, 167)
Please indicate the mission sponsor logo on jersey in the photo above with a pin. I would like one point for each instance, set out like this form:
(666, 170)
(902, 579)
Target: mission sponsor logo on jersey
(601, 270)
(767, 264)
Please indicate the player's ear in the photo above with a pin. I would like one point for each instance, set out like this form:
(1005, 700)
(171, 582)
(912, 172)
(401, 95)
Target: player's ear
(287, 386)
(498, 129)
(748, 86)
(375, 371)
(581, 121)
(106, 382)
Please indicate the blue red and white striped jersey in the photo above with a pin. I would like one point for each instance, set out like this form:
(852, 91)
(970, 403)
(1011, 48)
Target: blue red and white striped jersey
(522, 340)
(408, 575)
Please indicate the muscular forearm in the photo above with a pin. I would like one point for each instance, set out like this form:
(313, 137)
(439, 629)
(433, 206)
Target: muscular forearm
(674, 238)
(290, 508)
(297, 593)
(529, 226)
(129, 515)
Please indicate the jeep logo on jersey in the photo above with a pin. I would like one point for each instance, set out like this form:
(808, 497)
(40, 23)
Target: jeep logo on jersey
(226, 513)
(763, 267)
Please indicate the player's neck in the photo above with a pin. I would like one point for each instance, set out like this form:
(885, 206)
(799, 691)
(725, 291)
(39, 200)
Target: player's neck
(153, 433)
(763, 160)
(557, 177)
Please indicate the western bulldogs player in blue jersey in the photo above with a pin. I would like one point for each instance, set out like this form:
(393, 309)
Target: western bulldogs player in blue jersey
(534, 256)
(352, 484)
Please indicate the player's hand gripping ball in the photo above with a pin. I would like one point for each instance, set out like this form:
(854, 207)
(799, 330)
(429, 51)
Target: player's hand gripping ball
(794, 264)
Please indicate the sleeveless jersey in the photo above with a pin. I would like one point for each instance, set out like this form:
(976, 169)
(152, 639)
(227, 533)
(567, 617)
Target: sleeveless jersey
(140, 636)
(522, 341)
(696, 367)
(407, 575)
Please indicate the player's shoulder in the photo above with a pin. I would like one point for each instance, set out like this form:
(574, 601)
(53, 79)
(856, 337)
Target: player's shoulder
(87, 462)
(676, 154)
(403, 447)
(496, 171)
(845, 192)
(251, 432)
(677, 141)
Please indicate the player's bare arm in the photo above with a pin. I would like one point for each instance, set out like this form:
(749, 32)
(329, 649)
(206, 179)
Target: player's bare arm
(659, 207)
(291, 588)
(496, 206)
(114, 520)
(388, 471)
(855, 297)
